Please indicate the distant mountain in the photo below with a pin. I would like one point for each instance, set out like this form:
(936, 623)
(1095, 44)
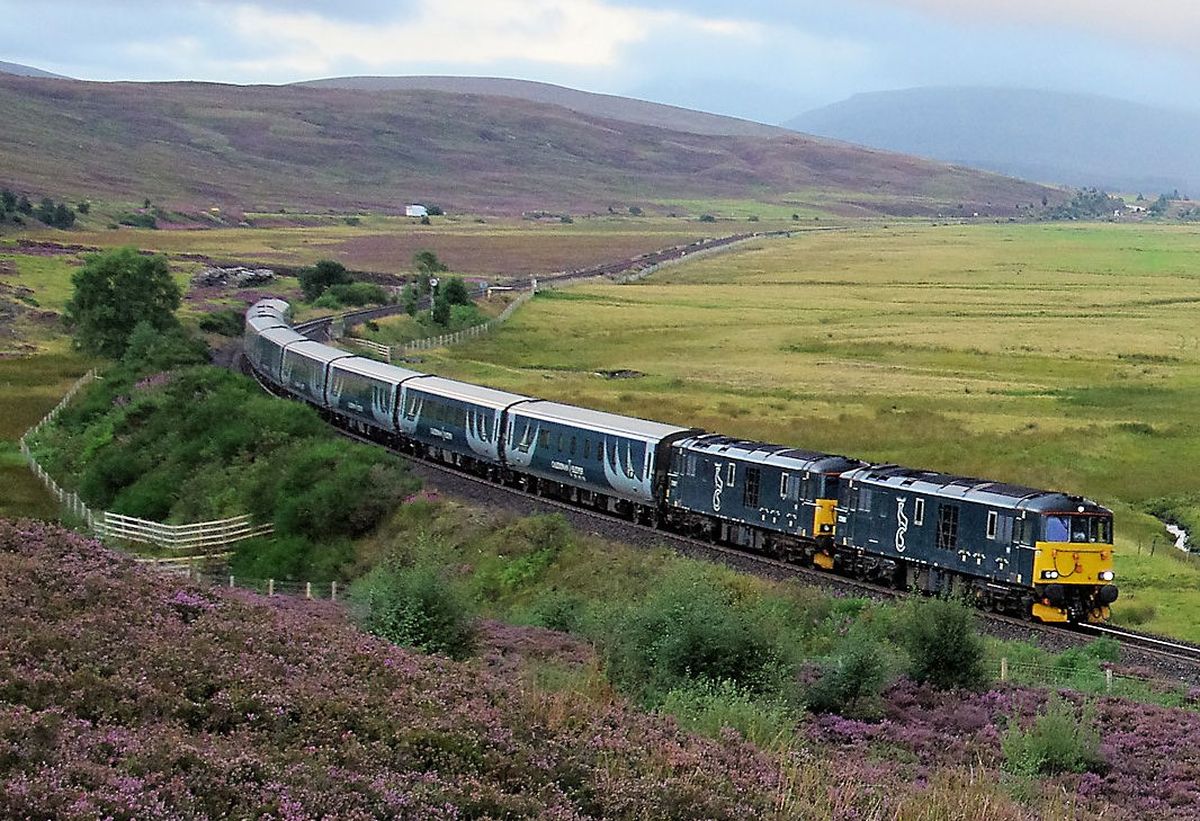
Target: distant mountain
(27, 71)
(1071, 139)
(585, 102)
(197, 145)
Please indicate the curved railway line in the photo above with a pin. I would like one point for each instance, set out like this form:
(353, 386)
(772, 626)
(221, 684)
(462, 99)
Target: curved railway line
(1168, 658)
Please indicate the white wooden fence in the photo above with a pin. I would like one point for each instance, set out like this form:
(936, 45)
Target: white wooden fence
(107, 525)
(390, 352)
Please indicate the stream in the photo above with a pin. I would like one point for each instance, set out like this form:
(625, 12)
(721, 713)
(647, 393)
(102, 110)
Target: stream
(1181, 537)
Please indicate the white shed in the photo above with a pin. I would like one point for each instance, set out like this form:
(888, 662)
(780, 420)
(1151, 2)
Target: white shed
(416, 211)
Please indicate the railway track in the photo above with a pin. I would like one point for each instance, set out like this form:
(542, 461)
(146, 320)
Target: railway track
(1158, 653)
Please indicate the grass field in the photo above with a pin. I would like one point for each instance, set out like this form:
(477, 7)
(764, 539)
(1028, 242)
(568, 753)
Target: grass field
(1055, 356)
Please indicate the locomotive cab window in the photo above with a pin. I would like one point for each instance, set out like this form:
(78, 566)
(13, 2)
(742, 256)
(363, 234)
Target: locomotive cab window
(918, 511)
(729, 474)
(783, 485)
(1078, 529)
(992, 520)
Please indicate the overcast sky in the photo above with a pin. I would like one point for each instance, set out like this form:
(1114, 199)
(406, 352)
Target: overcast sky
(762, 60)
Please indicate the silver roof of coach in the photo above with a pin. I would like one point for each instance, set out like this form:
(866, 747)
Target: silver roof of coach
(315, 351)
(465, 392)
(391, 374)
(598, 420)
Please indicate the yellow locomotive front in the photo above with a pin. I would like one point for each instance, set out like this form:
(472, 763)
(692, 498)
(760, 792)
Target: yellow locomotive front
(1073, 565)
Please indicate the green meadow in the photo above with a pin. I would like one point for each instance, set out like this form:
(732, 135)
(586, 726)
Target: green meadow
(1059, 356)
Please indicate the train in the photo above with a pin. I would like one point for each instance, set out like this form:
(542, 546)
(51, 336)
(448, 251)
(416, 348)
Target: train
(1038, 554)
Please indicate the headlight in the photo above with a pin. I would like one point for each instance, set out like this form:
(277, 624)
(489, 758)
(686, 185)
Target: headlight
(1106, 575)
(1049, 574)
(825, 528)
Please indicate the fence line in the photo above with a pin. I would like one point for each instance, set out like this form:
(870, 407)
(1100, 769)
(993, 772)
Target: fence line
(642, 273)
(108, 525)
(391, 352)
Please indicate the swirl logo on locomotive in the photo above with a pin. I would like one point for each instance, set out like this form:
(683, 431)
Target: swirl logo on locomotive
(901, 524)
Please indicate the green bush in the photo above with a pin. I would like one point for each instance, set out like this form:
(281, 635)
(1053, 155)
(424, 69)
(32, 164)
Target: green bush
(358, 293)
(851, 682)
(326, 273)
(943, 646)
(1058, 742)
(330, 488)
(415, 606)
(557, 610)
(229, 322)
(150, 350)
(691, 628)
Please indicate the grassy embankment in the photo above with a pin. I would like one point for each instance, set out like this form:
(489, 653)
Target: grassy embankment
(1055, 356)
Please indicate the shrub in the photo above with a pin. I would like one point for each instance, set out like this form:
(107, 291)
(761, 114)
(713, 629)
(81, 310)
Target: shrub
(943, 646)
(707, 218)
(558, 610)
(327, 272)
(229, 322)
(850, 682)
(690, 629)
(138, 220)
(150, 350)
(358, 293)
(319, 489)
(455, 292)
(1058, 742)
(415, 606)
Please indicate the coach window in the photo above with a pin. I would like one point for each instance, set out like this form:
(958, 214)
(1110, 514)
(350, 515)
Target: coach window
(991, 524)
(919, 512)
(572, 445)
(947, 533)
(864, 500)
(783, 486)
(587, 448)
(544, 438)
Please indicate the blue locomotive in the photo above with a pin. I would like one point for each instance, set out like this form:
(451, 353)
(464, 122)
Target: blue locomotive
(1036, 553)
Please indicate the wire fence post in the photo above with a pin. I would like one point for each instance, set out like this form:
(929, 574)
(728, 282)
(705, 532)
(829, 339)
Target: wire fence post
(270, 587)
(333, 591)
(1108, 679)
(308, 590)
(231, 581)
(1004, 668)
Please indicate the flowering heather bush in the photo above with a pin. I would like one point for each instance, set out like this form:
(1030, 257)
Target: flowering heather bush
(127, 696)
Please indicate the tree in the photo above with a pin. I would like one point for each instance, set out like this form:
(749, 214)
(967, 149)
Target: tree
(45, 211)
(116, 290)
(8, 199)
(427, 263)
(441, 310)
(455, 292)
(327, 272)
(25, 206)
(410, 298)
(84, 207)
(64, 217)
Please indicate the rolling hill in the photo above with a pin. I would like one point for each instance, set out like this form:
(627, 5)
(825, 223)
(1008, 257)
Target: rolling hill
(27, 71)
(1070, 139)
(196, 145)
(608, 106)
